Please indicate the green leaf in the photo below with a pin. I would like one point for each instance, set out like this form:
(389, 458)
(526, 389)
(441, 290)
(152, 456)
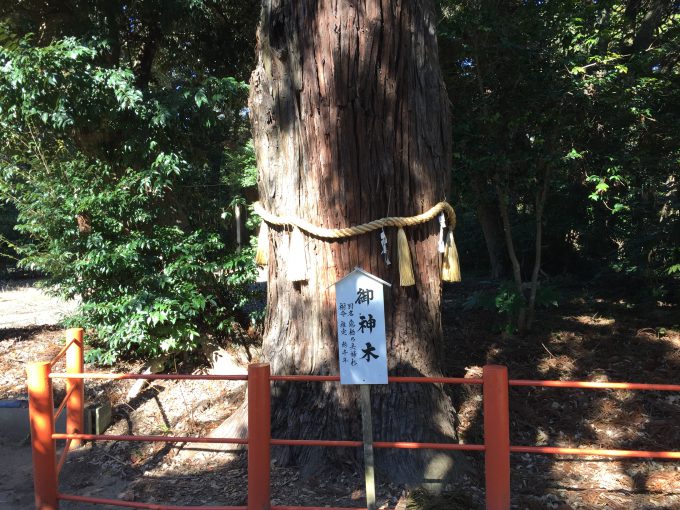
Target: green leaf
(200, 98)
(601, 187)
(573, 154)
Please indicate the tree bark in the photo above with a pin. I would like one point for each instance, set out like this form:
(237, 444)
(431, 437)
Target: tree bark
(644, 35)
(488, 216)
(502, 192)
(541, 196)
(350, 122)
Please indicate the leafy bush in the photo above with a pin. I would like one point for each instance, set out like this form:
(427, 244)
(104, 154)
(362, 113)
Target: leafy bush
(507, 301)
(122, 182)
(8, 238)
(579, 96)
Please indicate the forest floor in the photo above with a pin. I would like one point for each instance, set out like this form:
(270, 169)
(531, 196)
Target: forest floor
(590, 336)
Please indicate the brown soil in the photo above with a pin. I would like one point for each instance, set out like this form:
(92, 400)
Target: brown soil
(586, 338)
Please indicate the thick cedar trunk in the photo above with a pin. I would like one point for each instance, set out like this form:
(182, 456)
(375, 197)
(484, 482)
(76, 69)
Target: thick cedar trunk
(351, 123)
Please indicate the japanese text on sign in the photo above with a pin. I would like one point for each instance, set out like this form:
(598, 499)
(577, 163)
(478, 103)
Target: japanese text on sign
(361, 329)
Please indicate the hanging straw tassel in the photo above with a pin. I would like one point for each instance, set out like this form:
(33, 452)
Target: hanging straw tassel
(297, 262)
(450, 264)
(406, 277)
(441, 245)
(262, 253)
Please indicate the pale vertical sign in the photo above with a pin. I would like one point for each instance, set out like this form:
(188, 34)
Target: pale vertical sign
(362, 348)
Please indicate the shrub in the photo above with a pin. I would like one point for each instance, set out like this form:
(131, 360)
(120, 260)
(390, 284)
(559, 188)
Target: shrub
(122, 188)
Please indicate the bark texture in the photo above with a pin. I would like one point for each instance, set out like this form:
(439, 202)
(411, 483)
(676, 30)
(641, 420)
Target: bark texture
(488, 216)
(350, 120)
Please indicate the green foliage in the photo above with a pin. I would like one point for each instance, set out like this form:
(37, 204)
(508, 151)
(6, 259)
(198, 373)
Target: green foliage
(589, 91)
(507, 301)
(120, 171)
(8, 239)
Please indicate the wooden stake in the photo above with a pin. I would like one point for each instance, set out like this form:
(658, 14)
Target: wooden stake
(367, 424)
(75, 388)
(41, 413)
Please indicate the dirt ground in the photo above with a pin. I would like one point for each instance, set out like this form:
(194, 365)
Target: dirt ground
(23, 304)
(588, 337)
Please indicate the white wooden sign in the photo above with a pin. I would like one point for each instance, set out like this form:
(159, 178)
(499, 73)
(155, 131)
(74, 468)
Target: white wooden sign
(362, 348)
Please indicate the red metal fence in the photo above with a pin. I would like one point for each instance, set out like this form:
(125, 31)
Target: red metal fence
(496, 447)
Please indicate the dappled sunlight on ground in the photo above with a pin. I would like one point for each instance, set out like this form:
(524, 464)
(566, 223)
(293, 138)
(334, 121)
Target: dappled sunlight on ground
(24, 305)
(594, 339)
(594, 320)
(581, 340)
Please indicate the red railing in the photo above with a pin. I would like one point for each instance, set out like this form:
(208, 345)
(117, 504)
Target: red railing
(496, 447)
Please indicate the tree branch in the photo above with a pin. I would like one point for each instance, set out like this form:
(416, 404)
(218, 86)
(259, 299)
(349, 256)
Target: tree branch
(148, 53)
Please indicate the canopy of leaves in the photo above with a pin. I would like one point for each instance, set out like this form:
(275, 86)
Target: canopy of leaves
(123, 146)
(587, 93)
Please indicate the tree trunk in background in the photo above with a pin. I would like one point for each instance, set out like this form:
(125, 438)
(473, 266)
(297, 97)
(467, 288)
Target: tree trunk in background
(350, 120)
(503, 206)
(488, 216)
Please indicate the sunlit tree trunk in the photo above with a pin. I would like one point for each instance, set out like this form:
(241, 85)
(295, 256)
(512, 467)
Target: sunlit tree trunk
(351, 123)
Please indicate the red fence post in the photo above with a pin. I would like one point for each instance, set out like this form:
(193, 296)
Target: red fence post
(75, 406)
(259, 436)
(41, 412)
(497, 437)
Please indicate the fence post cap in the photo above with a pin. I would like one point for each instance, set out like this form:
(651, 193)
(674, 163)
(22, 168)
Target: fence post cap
(258, 365)
(37, 365)
(495, 368)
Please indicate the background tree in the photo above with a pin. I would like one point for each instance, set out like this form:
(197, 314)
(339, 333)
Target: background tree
(351, 123)
(122, 145)
(563, 139)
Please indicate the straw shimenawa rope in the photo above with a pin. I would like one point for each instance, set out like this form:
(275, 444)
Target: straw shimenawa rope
(338, 233)
(297, 266)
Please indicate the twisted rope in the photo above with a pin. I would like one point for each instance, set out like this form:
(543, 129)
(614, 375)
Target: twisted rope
(338, 233)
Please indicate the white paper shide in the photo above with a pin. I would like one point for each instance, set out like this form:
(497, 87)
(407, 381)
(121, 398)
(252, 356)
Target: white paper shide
(361, 328)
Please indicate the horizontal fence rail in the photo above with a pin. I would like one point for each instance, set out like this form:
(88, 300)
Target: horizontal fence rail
(496, 447)
(595, 452)
(133, 504)
(152, 439)
(596, 385)
(150, 377)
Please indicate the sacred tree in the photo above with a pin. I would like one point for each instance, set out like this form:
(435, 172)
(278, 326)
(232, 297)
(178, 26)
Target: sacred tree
(350, 119)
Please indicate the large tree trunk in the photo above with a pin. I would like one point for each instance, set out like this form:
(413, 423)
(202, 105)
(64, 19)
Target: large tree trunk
(351, 123)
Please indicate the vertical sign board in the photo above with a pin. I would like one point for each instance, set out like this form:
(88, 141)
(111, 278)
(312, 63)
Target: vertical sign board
(360, 307)
(362, 350)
